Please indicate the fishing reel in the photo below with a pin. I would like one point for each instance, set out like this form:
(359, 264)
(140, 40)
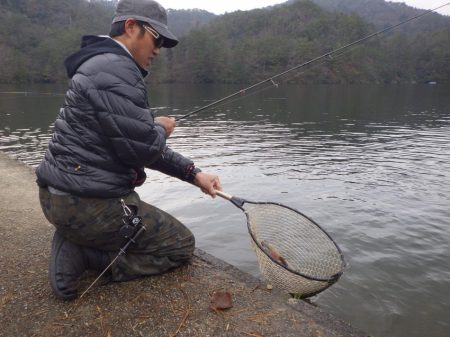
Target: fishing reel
(130, 225)
(132, 228)
(131, 222)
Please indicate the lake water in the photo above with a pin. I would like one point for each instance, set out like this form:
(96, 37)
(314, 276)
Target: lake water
(370, 164)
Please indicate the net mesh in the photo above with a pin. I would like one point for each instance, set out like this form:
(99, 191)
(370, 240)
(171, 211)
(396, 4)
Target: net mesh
(310, 261)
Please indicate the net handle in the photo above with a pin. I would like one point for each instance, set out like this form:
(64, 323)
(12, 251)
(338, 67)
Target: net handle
(224, 195)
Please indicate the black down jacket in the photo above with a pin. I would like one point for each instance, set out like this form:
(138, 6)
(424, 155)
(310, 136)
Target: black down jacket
(104, 134)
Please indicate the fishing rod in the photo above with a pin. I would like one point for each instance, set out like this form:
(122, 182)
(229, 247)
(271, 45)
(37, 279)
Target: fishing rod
(324, 56)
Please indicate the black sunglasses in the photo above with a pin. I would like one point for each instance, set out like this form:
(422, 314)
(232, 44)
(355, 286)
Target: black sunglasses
(159, 40)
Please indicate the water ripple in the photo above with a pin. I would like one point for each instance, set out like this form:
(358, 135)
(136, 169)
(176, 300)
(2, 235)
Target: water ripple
(377, 181)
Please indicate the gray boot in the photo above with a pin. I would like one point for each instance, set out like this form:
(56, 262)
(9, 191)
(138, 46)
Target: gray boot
(68, 261)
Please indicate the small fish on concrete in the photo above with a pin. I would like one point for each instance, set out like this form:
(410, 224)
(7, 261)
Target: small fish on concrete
(273, 253)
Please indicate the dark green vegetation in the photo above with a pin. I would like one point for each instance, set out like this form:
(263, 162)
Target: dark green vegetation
(241, 47)
(183, 21)
(384, 14)
(36, 35)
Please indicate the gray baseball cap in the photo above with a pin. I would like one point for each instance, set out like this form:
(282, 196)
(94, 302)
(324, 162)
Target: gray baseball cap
(147, 11)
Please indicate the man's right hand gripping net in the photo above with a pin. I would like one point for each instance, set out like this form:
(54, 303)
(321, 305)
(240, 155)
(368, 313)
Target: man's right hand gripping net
(294, 253)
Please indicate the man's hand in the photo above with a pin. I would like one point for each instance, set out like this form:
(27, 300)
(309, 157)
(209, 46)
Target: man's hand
(208, 183)
(168, 123)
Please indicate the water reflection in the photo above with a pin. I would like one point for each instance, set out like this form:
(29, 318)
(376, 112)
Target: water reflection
(370, 164)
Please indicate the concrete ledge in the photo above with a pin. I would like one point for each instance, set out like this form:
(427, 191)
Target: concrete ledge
(173, 304)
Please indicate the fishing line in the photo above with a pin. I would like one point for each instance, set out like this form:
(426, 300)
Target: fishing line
(340, 50)
(270, 86)
(254, 92)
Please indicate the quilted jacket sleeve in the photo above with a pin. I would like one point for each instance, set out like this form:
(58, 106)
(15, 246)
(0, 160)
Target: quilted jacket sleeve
(175, 165)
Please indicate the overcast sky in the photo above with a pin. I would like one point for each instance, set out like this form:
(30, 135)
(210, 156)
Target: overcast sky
(222, 6)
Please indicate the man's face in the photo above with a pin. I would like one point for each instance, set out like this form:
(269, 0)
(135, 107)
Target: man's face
(143, 47)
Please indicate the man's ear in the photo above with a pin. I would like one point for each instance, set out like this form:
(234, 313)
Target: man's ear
(130, 27)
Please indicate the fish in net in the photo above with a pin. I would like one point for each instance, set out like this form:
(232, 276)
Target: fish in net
(294, 253)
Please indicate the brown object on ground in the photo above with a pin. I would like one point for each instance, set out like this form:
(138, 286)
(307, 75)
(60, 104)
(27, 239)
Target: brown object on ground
(173, 304)
(221, 300)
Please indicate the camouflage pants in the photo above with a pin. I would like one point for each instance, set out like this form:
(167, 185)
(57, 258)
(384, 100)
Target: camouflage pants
(96, 222)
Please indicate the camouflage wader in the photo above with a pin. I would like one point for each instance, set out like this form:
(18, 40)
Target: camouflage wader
(96, 222)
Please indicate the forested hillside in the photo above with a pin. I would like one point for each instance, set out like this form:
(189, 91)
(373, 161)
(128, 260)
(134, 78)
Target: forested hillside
(36, 36)
(250, 46)
(181, 22)
(385, 13)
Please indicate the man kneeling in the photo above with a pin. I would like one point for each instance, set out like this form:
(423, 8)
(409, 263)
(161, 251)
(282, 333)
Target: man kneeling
(104, 137)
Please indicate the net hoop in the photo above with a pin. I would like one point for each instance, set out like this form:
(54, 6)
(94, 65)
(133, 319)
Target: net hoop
(331, 279)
